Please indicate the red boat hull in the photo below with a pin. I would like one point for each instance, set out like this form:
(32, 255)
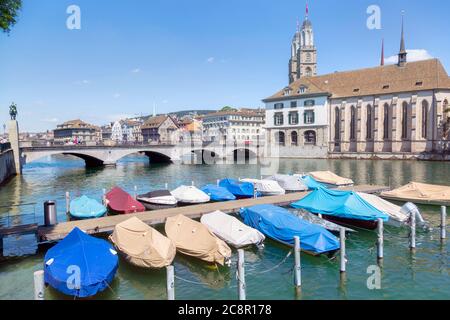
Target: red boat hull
(121, 202)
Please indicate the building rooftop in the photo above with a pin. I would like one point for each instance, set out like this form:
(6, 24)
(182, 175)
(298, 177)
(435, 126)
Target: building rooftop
(76, 124)
(156, 122)
(414, 76)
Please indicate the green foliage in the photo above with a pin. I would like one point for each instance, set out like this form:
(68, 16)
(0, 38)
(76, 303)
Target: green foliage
(8, 13)
(228, 108)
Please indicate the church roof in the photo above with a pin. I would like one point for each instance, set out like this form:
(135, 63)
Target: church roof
(389, 79)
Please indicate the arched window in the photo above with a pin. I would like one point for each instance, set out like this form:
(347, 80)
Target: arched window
(280, 138)
(294, 138)
(310, 137)
(369, 122)
(405, 120)
(386, 121)
(308, 72)
(446, 109)
(353, 123)
(337, 125)
(424, 119)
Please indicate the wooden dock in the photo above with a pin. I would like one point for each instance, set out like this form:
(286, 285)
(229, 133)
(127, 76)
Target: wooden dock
(107, 224)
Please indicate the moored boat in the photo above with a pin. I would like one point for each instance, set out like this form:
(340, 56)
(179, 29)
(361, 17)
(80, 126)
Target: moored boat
(289, 183)
(310, 182)
(194, 239)
(342, 207)
(94, 260)
(158, 200)
(141, 245)
(86, 208)
(231, 230)
(188, 195)
(240, 189)
(217, 193)
(266, 187)
(280, 225)
(420, 193)
(331, 179)
(118, 201)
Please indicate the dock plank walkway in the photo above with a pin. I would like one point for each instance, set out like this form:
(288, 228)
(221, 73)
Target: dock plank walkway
(107, 224)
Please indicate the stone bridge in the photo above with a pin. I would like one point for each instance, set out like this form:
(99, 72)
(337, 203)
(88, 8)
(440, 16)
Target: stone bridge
(96, 156)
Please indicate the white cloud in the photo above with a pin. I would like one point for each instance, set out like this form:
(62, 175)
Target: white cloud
(137, 70)
(82, 82)
(51, 120)
(116, 95)
(211, 60)
(413, 55)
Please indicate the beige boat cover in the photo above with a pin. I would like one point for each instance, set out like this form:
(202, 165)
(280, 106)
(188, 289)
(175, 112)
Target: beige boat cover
(420, 192)
(194, 239)
(142, 245)
(393, 211)
(330, 178)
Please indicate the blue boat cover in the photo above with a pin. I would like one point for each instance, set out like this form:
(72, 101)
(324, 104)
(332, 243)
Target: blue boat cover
(342, 204)
(238, 188)
(85, 208)
(279, 224)
(312, 183)
(94, 260)
(217, 193)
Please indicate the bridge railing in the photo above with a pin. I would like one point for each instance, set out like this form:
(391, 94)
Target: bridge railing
(4, 147)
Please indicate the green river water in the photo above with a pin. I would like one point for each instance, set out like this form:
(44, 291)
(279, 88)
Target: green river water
(424, 275)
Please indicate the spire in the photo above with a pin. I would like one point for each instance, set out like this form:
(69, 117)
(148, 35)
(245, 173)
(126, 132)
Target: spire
(307, 10)
(382, 52)
(402, 54)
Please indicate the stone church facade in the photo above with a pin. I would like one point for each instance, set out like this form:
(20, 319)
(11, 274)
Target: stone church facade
(393, 111)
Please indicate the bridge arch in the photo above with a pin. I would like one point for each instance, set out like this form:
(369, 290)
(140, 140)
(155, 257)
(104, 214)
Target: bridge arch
(243, 155)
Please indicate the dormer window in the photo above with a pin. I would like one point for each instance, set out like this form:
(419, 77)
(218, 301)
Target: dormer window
(356, 90)
(385, 87)
(302, 89)
(287, 91)
(419, 83)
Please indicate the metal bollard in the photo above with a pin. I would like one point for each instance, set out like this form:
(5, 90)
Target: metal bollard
(50, 213)
(104, 197)
(297, 267)
(241, 275)
(135, 192)
(170, 283)
(380, 242)
(39, 285)
(443, 222)
(343, 258)
(412, 241)
(67, 202)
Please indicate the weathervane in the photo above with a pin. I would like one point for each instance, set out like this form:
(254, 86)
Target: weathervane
(13, 111)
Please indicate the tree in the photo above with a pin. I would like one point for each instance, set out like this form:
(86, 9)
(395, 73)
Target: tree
(9, 10)
(228, 108)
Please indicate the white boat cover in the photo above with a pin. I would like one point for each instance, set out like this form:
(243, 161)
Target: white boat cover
(330, 178)
(142, 245)
(289, 183)
(190, 194)
(396, 216)
(231, 230)
(420, 193)
(161, 197)
(266, 187)
(195, 239)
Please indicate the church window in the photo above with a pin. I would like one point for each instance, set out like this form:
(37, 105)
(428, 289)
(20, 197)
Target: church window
(337, 124)
(386, 121)
(424, 119)
(369, 122)
(353, 123)
(405, 120)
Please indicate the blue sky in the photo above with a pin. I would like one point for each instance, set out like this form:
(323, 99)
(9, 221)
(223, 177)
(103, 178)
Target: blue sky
(180, 54)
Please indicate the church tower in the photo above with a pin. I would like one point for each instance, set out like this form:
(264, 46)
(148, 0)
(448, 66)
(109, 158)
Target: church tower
(293, 63)
(307, 54)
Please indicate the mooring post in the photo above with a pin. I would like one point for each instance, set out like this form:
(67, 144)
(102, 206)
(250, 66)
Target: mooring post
(255, 192)
(297, 266)
(135, 192)
(166, 186)
(343, 258)
(218, 182)
(39, 285)
(170, 283)
(67, 202)
(1, 246)
(104, 197)
(380, 242)
(412, 241)
(193, 183)
(241, 274)
(443, 222)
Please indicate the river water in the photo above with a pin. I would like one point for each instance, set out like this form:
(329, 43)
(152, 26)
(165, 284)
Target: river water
(424, 275)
